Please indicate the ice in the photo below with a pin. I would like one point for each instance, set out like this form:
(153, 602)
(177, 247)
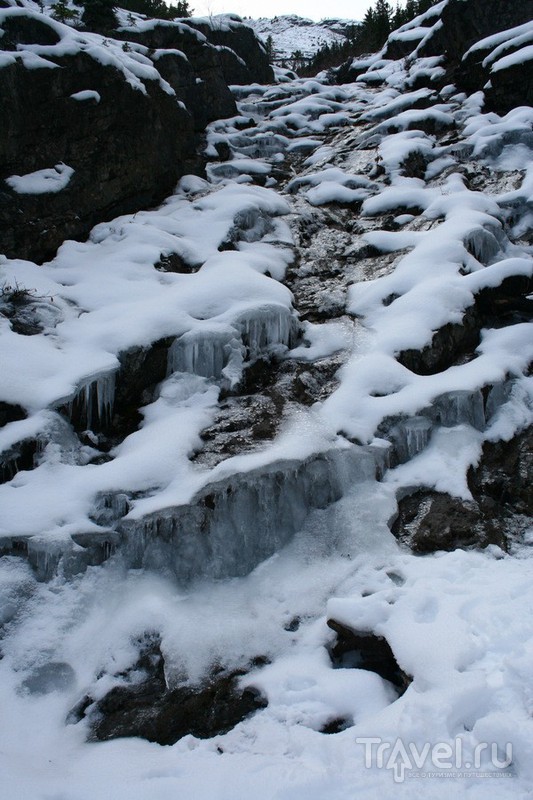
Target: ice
(266, 329)
(460, 407)
(410, 437)
(92, 406)
(221, 353)
(237, 566)
(205, 354)
(484, 244)
(233, 525)
(51, 677)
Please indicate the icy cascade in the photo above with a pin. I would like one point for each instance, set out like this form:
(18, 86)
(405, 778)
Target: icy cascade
(206, 354)
(92, 405)
(222, 353)
(409, 437)
(233, 525)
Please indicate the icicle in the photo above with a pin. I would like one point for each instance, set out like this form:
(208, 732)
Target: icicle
(203, 354)
(459, 408)
(266, 328)
(483, 244)
(92, 406)
(233, 525)
(410, 437)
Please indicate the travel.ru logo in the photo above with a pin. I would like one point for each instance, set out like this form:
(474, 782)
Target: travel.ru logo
(440, 760)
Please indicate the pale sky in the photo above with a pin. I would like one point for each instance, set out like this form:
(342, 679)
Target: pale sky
(346, 9)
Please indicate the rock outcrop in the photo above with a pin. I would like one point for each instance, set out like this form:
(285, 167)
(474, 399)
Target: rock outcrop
(151, 709)
(460, 34)
(190, 64)
(464, 25)
(499, 512)
(114, 122)
(244, 59)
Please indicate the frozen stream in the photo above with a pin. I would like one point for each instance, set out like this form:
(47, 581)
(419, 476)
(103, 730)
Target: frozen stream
(213, 424)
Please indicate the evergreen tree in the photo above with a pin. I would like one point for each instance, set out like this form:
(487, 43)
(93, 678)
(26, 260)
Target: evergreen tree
(269, 46)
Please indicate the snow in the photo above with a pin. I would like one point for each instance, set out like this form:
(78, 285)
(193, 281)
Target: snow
(291, 33)
(512, 60)
(86, 94)
(43, 181)
(286, 559)
(134, 63)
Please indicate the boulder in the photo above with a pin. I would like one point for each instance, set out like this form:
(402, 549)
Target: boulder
(156, 712)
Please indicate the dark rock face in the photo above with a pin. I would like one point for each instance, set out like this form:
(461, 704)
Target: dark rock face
(198, 79)
(365, 650)
(501, 487)
(127, 151)
(128, 148)
(243, 41)
(502, 481)
(464, 24)
(159, 714)
(10, 413)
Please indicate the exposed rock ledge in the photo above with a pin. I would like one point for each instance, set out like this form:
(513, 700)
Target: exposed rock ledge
(114, 132)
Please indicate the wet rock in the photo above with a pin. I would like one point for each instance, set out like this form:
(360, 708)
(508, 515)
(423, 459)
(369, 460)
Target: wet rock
(153, 711)
(428, 521)
(502, 481)
(10, 413)
(354, 649)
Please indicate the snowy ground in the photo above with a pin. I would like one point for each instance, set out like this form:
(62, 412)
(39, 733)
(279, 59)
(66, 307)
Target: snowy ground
(458, 622)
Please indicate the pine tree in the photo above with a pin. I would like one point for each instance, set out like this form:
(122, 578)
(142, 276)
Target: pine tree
(269, 46)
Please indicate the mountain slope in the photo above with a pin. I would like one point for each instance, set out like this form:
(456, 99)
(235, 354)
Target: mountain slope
(291, 33)
(266, 454)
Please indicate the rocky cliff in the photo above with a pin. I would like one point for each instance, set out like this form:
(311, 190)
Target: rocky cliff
(480, 46)
(104, 125)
